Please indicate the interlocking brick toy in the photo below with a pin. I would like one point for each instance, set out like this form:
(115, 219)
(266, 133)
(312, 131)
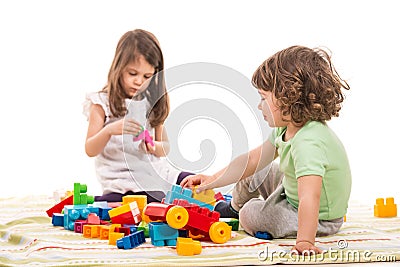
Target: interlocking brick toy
(385, 210)
(126, 214)
(187, 246)
(177, 192)
(60, 206)
(263, 235)
(184, 215)
(57, 219)
(80, 196)
(162, 234)
(144, 135)
(206, 196)
(77, 212)
(131, 241)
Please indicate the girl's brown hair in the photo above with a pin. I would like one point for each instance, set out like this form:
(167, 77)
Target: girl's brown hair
(130, 46)
(304, 82)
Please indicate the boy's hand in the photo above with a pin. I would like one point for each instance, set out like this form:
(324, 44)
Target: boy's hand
(203, 182)
(305, 248)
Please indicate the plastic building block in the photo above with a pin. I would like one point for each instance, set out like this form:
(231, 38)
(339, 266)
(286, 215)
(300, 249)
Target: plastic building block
(78, 226)
(132, 227)
(382, 209)
(234, 223)
(104, 232)
(93, 218)
(198, 220)
(131, 241)
(125, 230)
(162, 234)
(141, 200)
(207, 196)
(187, 246)
(80, 196)
(91, 231)
(60, 206)
(113, 237)
(177, 192)
(126, 214)
(57, 219)
(205, 222)
(77, 212)
(176, 216)
(144, 135)
(144, 227)
(263, 235)
(228, 197)
(218, 196)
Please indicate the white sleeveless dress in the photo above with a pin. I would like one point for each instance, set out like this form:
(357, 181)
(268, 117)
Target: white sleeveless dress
(121, 166)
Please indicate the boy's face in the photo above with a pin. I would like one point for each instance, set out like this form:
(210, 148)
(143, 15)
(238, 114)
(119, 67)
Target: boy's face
(135, 76)
(271, 112)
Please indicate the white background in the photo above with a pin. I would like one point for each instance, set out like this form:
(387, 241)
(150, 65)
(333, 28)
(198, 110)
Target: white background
(53, 52)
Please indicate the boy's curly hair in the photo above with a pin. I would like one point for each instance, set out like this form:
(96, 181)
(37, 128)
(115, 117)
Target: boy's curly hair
(304, 82)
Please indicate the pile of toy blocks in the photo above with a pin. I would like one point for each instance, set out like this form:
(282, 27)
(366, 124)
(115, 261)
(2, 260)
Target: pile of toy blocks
(182, 219)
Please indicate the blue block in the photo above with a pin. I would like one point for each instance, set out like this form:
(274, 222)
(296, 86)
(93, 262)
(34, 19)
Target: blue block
(263, 235)
(131, 241)
(162, 234)
(177, 192)
(77, 212)
(57, 219)
(103, 214)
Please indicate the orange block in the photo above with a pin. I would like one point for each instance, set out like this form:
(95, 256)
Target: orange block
(91, 231)
(187, 246)
(383, 210)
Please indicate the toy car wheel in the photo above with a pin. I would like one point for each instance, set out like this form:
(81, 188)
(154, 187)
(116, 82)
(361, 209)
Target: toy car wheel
(177, 217)
(220, 232)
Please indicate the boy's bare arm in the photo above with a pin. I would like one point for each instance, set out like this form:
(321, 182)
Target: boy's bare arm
(241, 167)
(309, 191)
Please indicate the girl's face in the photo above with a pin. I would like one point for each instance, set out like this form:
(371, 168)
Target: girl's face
(135, 75)
(271, 112)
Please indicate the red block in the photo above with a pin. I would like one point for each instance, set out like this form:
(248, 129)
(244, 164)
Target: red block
(59, 207)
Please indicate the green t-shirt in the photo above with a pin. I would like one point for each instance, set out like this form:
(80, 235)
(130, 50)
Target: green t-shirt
(315, 150)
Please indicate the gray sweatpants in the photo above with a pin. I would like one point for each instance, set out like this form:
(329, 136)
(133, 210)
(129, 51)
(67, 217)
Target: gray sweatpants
(272, 214)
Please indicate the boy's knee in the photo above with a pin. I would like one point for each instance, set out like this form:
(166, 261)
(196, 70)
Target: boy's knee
(249, 215)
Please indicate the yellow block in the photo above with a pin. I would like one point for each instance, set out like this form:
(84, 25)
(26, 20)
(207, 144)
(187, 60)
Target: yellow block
(141, 200)
(187, 246)
(207, 196)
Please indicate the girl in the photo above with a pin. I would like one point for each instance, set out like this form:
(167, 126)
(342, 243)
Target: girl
(307, 196)
(134, 99)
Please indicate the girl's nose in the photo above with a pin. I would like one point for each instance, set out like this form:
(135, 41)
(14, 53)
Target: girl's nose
(259, 105)
(138, 80)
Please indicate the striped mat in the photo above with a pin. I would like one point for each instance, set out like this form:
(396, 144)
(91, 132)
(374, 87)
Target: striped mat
(27, 238)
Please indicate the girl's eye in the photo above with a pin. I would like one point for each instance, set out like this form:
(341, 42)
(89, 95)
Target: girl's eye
(147, 77)
(133, 74)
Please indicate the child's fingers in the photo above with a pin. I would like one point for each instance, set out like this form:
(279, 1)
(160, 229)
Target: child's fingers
(202, 188)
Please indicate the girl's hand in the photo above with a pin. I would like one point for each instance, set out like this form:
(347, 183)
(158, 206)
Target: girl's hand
(147, 147)
(305, 248)
(199, 179)
(121, 126)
